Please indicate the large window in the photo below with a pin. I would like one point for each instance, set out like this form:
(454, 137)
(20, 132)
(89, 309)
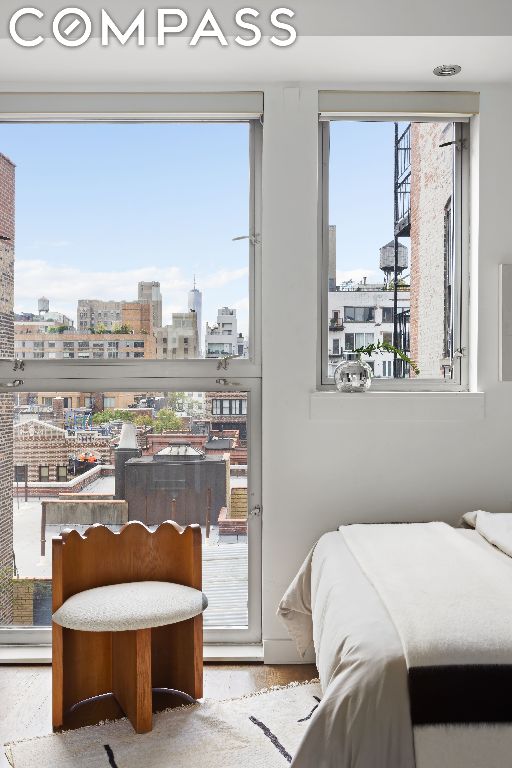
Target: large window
(394, 224)
(143, 247)
(136, 301)
(188, 462)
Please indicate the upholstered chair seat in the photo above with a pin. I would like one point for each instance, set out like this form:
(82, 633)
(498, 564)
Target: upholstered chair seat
(130, 606)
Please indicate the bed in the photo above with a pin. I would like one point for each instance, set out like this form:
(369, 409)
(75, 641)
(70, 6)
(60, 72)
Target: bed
(412, 630)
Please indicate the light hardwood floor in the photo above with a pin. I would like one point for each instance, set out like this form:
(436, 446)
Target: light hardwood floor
(25, 692)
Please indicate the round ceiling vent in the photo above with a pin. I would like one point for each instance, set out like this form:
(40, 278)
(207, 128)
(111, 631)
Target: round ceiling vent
(447, 70)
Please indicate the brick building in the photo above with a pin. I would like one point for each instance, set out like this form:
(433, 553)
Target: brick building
(138, 316)
(431, 257)
(83, 346)
(227, 411)
(149, 293)
(44, 448)
(7, 211)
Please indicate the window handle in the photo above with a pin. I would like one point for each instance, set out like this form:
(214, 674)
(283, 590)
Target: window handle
(227, 382)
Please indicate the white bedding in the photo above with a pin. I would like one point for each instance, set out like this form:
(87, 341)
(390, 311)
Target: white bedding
(449, 599)
(363, 720)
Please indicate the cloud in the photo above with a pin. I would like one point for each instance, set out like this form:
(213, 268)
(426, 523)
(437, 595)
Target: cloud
(224, 276)
(242, 304)
(63, 285)
(242, 314)
(44, 244)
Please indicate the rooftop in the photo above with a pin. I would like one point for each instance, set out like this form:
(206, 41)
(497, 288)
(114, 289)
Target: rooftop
(225, 563)
(181, 450)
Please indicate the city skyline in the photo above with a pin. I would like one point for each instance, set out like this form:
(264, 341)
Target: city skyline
(159, 213)
(182, 224)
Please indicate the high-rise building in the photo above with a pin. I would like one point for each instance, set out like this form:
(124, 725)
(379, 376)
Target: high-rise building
(195, 304)
(223, 338)
(149, 293)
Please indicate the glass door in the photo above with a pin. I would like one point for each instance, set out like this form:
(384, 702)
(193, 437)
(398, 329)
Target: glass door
(192, 456)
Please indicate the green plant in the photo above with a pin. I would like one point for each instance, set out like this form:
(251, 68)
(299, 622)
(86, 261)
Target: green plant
(167, 421)
(385, 346)
(121, 328)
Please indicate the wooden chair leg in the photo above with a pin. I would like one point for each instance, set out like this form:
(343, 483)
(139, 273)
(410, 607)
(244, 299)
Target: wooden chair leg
(57, 678)
(131, 676)
(177, 656)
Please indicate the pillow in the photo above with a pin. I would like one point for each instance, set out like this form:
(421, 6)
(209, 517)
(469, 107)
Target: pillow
(469, 519)
(496, 528)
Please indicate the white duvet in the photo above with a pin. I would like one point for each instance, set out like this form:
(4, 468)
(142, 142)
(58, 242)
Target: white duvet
(363, 720)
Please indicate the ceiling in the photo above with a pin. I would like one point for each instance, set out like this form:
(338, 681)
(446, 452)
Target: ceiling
(320, 59)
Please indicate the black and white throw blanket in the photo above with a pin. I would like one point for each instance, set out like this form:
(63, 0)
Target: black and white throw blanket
(412, 627)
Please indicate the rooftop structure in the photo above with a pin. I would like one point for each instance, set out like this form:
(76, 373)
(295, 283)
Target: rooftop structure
(179, 481)
(44, 320)
(387, 259)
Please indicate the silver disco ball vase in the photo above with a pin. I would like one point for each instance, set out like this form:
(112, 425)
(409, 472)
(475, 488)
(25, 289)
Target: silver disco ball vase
(353, 376)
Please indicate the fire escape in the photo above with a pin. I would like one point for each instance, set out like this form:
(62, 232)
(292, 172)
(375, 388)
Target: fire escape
(402, 228)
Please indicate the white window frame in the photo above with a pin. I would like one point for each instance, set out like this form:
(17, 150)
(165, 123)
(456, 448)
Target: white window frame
(136, 375)
(345, 111)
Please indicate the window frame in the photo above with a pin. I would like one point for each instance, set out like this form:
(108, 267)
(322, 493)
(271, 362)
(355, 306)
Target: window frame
(32, 635)
(136, 375)
(42, 370)
(58, 477)
(461, 220)
(40, 473)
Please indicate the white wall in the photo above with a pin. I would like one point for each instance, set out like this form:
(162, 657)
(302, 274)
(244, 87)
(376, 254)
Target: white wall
(318, 474)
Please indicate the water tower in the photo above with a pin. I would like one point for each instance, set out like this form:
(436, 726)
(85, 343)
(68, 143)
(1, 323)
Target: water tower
(387, 259)
(43, 305)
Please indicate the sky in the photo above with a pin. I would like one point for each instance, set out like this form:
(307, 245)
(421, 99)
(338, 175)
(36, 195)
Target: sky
(361, 179)
(101, 206)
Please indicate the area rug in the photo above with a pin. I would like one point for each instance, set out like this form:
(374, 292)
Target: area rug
(262, 730)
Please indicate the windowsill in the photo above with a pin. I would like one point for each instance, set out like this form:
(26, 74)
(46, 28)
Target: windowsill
(42, 654)
(396, 406)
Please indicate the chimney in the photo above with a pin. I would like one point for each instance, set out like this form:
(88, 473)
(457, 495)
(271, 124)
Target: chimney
(126, 450)
(58, 411)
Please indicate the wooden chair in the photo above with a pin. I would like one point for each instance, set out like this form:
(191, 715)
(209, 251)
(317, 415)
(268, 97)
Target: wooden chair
(101, 675)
